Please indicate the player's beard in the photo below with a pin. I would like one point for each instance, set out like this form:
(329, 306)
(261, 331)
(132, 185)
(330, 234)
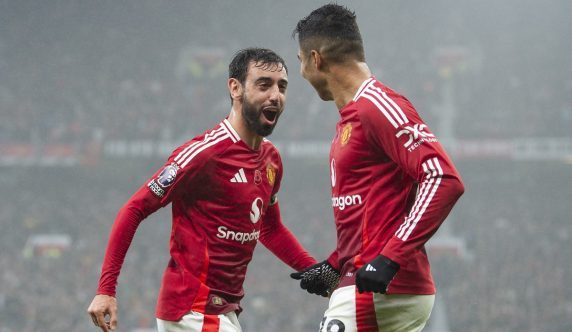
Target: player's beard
(252, 114)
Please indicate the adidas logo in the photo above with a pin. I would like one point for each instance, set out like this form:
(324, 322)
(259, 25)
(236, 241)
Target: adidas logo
(370, 268)
(239, 177)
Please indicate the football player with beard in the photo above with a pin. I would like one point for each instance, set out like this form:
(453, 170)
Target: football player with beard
(222, 187)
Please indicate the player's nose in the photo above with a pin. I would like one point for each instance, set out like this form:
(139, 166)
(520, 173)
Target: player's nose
(275, 94)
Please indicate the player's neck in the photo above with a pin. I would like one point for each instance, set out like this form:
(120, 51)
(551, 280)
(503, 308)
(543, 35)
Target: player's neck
(249, 138)
(346, 80)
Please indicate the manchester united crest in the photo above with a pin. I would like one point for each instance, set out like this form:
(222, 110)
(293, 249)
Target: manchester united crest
(270, 174)
(346, 134)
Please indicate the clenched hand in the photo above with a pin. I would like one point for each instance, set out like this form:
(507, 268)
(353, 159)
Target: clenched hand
(101, 307)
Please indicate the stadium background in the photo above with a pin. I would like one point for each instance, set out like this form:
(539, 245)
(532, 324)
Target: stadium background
(95, 94)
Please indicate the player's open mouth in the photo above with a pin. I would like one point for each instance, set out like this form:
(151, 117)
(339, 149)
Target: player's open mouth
(270, 114)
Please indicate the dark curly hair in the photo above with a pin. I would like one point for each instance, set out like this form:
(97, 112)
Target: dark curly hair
(262, 57)
(333, 31)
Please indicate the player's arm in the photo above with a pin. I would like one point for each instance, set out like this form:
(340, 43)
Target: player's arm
(439, 186)
(280, 240)
(157, 193)
(316, 278)
(333, 260)
(412, 146)
(275, 236)
(137, 208)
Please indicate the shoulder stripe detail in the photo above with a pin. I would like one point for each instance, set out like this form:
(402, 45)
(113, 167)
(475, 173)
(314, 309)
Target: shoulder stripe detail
(393, 104)
(189, 149)
(203, 146)
(379, 96)
(386, 105)
(361, 87)
(233, 134)
(428, 188)
(376, 103)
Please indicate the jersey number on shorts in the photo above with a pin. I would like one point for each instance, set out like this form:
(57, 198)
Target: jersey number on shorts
(335, 325)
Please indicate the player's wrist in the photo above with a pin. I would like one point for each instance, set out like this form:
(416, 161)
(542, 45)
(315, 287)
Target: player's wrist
(390, 254)
(376, 275)
(333, 261)
(105, 292)
(386, 263)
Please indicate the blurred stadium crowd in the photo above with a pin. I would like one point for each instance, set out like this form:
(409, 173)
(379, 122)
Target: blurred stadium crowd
(75, 71)
(513, 276)
(80, 74)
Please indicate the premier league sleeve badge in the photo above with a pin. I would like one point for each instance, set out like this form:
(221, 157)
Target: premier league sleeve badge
(167, 176)
(164, 180)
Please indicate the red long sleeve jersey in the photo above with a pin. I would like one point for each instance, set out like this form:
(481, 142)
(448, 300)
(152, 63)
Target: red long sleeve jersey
(223, 201)
(392, 187)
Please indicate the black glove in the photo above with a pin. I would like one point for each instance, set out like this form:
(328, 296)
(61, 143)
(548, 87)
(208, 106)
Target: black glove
(376, 275)
(318, 279)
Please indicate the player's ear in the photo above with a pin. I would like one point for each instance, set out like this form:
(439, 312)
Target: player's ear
(235, 89)
(316, 59)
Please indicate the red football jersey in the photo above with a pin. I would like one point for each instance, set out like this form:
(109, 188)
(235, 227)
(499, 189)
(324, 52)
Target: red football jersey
(392, 186)
(223, 200)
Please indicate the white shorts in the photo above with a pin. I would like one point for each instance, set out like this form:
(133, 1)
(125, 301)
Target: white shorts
(197, 322)
(350, 311)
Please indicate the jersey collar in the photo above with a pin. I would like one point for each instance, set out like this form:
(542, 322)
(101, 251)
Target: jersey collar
(362, 87)
(228, 127)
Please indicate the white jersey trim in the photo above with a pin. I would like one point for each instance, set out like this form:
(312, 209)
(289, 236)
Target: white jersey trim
(233, 134)
(361, 87)
(183, 155)
(202, 147)
(426, 193)
(210, 139)
(389, 108)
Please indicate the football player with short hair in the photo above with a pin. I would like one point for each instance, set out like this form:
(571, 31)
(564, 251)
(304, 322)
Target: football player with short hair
(222, 186)
(392, 186)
